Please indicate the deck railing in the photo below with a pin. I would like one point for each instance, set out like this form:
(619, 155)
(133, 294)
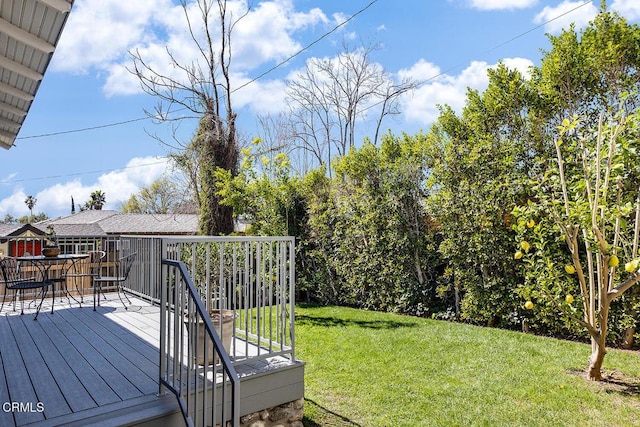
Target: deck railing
(251, 276)
(208, 393)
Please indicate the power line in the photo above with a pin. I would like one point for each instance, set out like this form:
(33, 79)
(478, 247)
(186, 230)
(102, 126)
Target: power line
(280, 64)
(63, 132)
(508, 41)
(539, 26)
(42, 178)
(447, 70)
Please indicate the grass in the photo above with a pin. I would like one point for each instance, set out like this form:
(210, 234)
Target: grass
(379, 369)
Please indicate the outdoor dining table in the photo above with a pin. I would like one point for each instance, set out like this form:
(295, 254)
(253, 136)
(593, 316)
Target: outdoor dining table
(67, 261)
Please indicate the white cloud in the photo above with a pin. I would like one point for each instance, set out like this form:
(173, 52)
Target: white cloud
(501, 4)
(100, 34)
(56, 200)
(118, 186)
(264, 35)
(630, 9)
(14, 204)
(262, 96)
(521, 64)
(568, 12)
(421, 106)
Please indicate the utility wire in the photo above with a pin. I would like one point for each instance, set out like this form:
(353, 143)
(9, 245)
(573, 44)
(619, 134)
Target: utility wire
(13, 181)
(508, 41)
(280, 64)
(63, 132)
(447, 70)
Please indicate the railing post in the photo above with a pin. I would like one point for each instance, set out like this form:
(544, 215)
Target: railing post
(163, 322)
(292, 302)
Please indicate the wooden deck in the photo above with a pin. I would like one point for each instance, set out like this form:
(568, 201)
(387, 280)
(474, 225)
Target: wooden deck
(79, 366)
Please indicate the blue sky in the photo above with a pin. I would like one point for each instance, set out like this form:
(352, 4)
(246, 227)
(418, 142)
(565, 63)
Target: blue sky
(87, 85)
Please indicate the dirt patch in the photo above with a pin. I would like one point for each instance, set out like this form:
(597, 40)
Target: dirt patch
(612, 382)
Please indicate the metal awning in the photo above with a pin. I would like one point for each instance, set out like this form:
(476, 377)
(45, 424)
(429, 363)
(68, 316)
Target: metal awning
(29, 34)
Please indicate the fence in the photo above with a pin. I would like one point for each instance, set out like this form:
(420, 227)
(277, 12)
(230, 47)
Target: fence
(113, 246)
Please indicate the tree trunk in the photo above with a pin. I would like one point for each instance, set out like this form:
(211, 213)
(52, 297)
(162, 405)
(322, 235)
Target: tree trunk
(595, 361)
(627, 338)
(419, 271)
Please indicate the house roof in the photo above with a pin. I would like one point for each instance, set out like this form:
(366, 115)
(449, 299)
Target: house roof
(29, 33)
(105, 222)
(8, 230)
(151, 224)
(83, 217)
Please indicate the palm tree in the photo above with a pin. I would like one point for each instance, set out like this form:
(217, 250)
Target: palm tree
(98, 199)
(30, 201)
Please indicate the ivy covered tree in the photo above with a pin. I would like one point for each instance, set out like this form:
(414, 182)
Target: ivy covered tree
(202, 87)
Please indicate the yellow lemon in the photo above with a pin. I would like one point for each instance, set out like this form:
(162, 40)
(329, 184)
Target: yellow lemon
(569, 269)
(531, 223)
(631, 266)
(569, 298)
(517, 255)
(525, 245)
(528, 305)
(613, 261)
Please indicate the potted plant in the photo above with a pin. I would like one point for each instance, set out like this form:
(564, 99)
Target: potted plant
(50, 247)
(223, 321)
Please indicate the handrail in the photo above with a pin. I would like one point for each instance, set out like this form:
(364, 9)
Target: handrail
(201, 390)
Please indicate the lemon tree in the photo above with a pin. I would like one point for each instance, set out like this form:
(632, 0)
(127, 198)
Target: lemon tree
(585, 203)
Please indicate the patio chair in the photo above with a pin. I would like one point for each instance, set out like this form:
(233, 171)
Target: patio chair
(88, 268)
(123, 268)
(18, 278)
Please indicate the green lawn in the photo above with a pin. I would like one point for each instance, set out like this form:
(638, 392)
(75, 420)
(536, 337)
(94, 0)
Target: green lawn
(378, 369)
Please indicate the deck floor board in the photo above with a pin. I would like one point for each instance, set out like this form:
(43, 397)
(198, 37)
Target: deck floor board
(74, 360)
(121, 357)
(14, 374)
(126, 344)
(42, 379)
(95, 385)
(76, 396)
